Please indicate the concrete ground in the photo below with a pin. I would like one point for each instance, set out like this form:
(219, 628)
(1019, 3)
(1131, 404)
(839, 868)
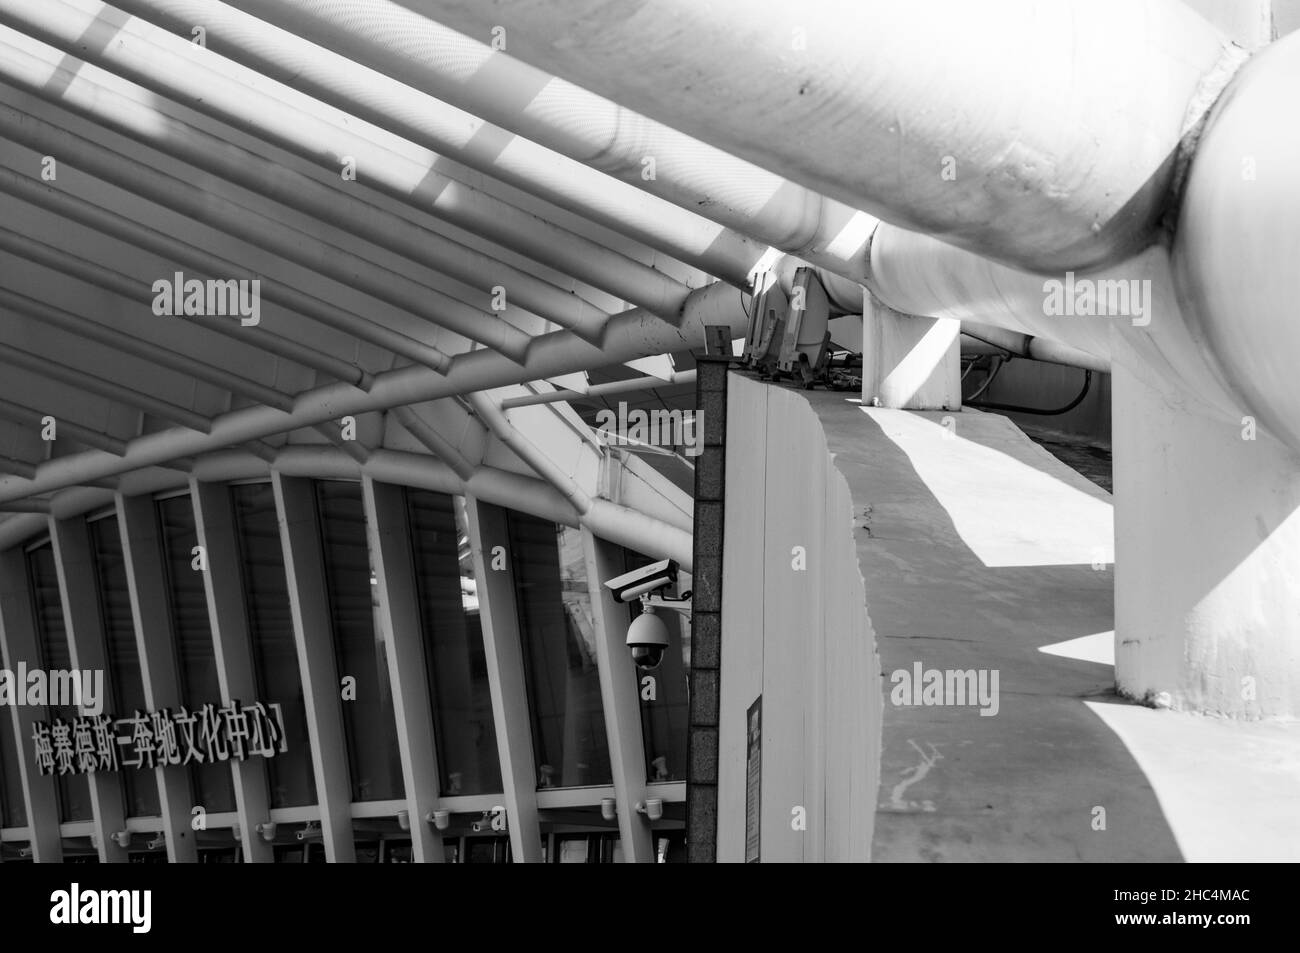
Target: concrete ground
(981, 551)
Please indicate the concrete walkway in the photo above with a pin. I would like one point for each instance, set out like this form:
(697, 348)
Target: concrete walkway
(980, 551)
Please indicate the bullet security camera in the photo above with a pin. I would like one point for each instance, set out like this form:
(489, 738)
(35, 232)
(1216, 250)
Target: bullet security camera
(632, 585)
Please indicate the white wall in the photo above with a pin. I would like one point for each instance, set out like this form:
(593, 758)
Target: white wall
(801, 638)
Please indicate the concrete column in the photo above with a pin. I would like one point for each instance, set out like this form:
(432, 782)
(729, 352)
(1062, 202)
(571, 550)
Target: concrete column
(399, 613)
(79, 592)
(147, 582)
(214, 520)
(1207, 557)
(909, 363)
(505, 663)
(304, 568)
(618, 690)
(18, 643)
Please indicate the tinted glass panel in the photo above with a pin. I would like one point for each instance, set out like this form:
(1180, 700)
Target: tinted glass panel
(13, 811)
(275, 654)
(453, 645)
(212, 781)
(359, 649)
(52, 639)
(559, 639)
(139, 787)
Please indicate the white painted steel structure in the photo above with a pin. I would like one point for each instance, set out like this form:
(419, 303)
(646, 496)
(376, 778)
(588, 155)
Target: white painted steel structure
(440, 229)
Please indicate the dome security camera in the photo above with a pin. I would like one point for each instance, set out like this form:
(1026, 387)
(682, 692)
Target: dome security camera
(647, 637)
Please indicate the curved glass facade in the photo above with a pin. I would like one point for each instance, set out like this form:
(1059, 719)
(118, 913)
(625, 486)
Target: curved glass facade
(541, 666)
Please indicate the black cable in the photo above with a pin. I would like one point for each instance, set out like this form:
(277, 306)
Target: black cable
(988, 380)
(1087, 382)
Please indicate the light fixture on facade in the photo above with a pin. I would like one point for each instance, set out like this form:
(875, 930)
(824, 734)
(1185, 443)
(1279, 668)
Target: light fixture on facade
(608, 808)
(651, 807)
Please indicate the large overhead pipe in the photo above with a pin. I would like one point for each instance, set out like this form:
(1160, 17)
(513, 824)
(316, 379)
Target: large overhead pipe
(1001, 341)
(174, 68)
(1083, 311)
(1051, 143)
(410, 113)
(1207, 511)
(589, 128)
(629, 335)
(1236, 251)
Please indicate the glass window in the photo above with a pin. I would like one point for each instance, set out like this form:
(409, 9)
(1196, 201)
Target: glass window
(487, 850)
(555, 623)
(571, 849)
(13, 809)
(126, 681)
(588, 849)
(453, 645)
(275, 654)
(359, 648)
(212, 782)
(52, 641)
(664, 697)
